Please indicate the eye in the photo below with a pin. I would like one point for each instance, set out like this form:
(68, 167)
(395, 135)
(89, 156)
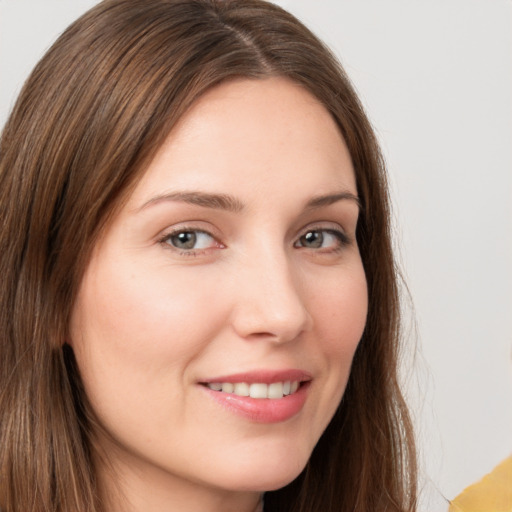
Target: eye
(190, 240)
(322, 239)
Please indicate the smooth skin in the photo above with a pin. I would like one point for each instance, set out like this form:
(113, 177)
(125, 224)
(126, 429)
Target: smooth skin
(223, 260)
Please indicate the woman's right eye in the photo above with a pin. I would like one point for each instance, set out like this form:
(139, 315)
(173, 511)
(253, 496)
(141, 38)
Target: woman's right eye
(190, 240)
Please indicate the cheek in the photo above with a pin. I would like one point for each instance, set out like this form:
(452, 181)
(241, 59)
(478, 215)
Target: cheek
(340, 312)
(135, 335)
(148, 316)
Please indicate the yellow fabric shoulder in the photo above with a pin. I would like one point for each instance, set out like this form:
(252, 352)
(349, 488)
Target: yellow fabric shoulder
(491, 494)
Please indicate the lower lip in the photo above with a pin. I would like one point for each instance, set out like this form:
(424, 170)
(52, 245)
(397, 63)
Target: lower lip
(263, 410)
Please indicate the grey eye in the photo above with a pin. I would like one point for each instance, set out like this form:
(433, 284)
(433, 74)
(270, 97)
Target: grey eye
(312, 239)
(184, 240)
(322, 239)
(189, 240)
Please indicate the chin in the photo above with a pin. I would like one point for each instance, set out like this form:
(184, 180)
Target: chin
(269, 474)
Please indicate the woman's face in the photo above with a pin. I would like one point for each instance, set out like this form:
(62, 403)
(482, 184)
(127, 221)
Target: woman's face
(233, 268)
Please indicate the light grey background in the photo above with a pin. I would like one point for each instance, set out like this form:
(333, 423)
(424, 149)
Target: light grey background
(436, 78)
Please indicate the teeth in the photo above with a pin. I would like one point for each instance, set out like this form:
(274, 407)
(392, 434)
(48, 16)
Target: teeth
(227, 387)
(241, 389)
(275, 390)
(257, 389)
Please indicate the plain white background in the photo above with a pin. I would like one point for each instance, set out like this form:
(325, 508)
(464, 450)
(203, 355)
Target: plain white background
(436, 78)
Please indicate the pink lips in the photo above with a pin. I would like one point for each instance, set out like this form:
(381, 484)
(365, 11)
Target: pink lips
(262, 410)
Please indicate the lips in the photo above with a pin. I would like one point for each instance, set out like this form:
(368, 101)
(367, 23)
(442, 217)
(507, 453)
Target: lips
(262, 396)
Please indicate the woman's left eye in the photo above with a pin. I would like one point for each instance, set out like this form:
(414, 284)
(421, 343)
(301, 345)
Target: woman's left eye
(190, 240)
(322, 239)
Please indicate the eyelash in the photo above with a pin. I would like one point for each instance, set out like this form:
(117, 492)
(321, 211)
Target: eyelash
(342, 239)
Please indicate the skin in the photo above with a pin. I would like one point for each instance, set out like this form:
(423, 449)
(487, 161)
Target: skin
(153, 320)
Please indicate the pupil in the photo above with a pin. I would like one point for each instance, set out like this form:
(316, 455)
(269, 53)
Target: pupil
(313, 239)
(185, 240)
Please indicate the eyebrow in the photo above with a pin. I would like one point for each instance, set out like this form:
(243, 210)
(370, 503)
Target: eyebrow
(321, 201)
(232, 204)
(215, 201)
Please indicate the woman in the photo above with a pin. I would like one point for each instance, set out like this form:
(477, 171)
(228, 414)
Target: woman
(200, 301)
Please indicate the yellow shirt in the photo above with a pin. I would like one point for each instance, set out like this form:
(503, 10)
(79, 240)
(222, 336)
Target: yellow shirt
(491, 494)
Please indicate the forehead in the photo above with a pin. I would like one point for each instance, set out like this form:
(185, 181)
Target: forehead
(252, 135)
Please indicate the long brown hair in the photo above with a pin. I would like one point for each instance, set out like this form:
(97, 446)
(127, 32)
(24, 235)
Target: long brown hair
(87, 123)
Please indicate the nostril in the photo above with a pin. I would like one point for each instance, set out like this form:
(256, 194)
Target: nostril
(262, 335)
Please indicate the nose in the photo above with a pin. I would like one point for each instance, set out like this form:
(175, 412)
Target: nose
(270, 300)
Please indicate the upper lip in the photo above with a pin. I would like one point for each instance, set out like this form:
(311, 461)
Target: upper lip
(262, 376)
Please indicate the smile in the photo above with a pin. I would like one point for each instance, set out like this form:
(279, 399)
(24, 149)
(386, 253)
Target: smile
(275, 390)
